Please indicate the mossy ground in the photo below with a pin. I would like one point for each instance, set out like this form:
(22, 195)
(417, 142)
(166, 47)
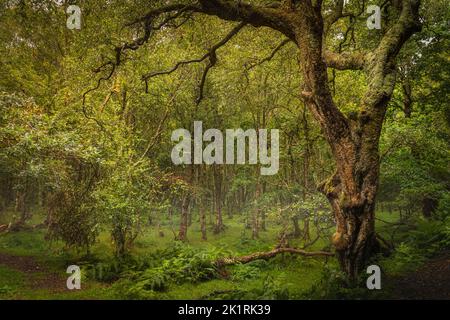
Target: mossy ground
(297, 275)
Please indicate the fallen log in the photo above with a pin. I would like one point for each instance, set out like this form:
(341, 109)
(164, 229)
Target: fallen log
(15, 227)
(270, 254)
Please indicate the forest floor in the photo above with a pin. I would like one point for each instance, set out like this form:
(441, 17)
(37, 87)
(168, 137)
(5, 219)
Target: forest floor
(39, 275)
(430, 281)
(32, 268)
(25, 277)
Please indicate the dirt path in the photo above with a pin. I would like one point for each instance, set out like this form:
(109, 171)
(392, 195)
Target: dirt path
(431, 281)
(38, 276)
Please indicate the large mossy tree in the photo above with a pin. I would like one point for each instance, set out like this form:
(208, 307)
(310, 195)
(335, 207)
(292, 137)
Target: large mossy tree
(353, 139)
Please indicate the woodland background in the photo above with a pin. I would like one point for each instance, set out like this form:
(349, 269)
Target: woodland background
(86, 176)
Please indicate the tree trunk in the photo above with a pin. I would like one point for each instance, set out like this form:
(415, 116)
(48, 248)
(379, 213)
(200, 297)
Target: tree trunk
(407, 98)
(297, 232)
(256, 210)
(429, 206)
(355, 238)
(218, 227)
(354, 141)
(182, 234)
(306, 233)
(203, 221)
(255, 228)
(262, 213)
(268, 255)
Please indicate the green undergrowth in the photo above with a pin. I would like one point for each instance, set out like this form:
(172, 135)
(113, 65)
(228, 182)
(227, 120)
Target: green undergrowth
(160, 268)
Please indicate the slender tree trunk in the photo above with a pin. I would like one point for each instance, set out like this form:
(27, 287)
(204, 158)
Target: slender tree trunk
(255, 224)
(256, 208)
(407, 98)
(203, 221)
(297, 231)
(182, 234)
(262, 213)
(306, 231)
(218, 227)
(429, 206)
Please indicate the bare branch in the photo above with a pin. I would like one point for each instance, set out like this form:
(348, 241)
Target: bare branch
(213, 58)
(164, 9)
(270, 254)
(210, 55)
(338, 13)
(270, 57)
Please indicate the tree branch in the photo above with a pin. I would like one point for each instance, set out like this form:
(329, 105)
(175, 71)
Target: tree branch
(381, 63)
(211, 55)
(345, 61)
(270, 57)
(270, 254)
(271, 16)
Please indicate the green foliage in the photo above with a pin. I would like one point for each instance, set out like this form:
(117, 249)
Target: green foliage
(431, 236)
(406, 258)
(244, 271)
(443, 209)
(11, 281)
(98, 164)
(73, 222)
(267, 289)
(175, 265)
(333, 285)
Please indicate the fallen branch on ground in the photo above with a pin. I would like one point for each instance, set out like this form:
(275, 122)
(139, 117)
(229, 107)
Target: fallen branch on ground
(270, 254)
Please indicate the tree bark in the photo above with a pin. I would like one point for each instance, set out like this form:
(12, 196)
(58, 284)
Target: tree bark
(297, 232)
(429, 206)
(270, 254)
(354, 143)
(407, 98)
(203, 222)
(218, 227)
(182, 234)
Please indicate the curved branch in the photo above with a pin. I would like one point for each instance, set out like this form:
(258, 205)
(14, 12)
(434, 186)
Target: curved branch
(269, 16)
(270, 57)
(381, 62)
(273, 17)
(211, 55)
(270, 254)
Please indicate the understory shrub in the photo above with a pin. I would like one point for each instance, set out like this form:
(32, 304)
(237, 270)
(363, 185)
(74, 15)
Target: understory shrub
(269, 289)
(176, 265)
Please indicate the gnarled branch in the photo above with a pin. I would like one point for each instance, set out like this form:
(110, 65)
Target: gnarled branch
(270, 254)
(211, 55)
